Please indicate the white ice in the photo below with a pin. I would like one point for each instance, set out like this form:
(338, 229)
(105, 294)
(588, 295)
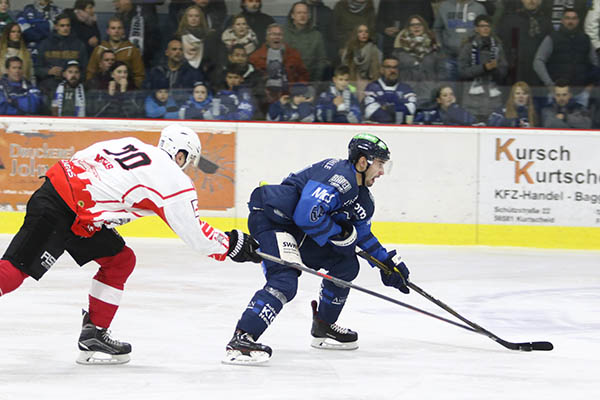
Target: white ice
(179, 310)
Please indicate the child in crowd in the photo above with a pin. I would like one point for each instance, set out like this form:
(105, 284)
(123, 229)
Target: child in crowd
(339, 103)
(296, 106)
(235, 100)
(200, 105)
(160, 103)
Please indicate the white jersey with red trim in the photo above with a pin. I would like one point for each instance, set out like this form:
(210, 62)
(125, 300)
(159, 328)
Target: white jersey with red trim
(113, 182)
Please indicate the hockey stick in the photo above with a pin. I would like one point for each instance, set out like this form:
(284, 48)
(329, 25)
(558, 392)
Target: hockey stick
(526, 346)
(350, 285)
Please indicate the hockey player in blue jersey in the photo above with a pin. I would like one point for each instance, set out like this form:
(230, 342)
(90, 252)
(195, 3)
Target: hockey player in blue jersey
(316, 216)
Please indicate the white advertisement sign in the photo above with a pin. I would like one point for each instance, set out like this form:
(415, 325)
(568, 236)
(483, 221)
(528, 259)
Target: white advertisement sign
(539, 178)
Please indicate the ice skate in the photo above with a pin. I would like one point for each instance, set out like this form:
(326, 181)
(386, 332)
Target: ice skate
(243, 350)
(331, 336)
(97, 347)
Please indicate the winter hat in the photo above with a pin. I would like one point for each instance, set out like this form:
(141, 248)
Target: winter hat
(298, 89)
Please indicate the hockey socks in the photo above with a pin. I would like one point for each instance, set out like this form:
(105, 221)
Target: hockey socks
(108, 284)
(332, 299)
(260, 312)
(10, 277)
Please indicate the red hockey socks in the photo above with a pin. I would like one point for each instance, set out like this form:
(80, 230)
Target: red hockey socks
(10, 277)
(107, 286)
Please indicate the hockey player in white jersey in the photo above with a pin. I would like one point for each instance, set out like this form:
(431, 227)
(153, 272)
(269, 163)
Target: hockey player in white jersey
(105, 185)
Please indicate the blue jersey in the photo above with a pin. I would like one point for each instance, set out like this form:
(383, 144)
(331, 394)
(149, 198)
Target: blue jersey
(317, 197)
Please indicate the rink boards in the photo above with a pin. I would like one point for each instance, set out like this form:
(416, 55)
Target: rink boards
(456, 186)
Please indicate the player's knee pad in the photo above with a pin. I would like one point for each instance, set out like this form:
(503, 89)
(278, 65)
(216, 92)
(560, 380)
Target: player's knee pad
(115, 270)
(283, 284)
(347, 269)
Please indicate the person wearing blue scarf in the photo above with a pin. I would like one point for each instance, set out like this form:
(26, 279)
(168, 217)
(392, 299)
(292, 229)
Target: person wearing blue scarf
(200, 104)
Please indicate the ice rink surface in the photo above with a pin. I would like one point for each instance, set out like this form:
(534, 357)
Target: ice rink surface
(179, 311)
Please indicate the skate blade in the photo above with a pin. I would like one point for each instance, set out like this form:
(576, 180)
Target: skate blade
(235, 357)
(99, 358)
(332, 344)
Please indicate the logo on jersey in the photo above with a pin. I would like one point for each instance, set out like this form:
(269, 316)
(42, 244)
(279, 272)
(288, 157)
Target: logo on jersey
(340, 183)
(323, 195)
(316, 213)
(195, 208)
(105, 163)
(330, 163)
(359, 211)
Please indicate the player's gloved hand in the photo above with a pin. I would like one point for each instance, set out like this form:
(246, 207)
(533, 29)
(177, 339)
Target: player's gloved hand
(398, 278)
(346, 239)
(242, 247)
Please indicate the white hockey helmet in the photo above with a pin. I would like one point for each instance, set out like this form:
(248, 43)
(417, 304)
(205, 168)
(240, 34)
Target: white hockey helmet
(175, 138)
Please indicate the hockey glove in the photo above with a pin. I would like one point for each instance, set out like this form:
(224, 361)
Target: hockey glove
(399, 275)
(346, 239)
(242, 247)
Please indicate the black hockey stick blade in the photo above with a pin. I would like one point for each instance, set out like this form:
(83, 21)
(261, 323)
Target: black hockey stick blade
(526, 346)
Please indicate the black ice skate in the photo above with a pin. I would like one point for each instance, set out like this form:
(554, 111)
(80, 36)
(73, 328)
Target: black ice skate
(243, 350)
(97, 347)
(331, 336)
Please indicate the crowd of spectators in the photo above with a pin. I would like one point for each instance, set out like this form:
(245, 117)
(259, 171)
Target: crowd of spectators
(511, 63)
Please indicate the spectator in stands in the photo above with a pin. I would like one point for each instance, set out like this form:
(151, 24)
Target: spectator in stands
(454, 23)
(141, 27)
(36, 22)
(296, 106)
(236, 102)
(482, 65)
(299, 34)
(496, 9)
(256, 19)
(200, 44)
(519, 111)
(521, 33)
(446, 111)
(280, 65)
(421, 64)
(5, 17)
(118, 100)
(13, 45)
(200, 104)
(387, 100)
(320, 19)
(339, 103)
(54, 51)
(347, 14)
(102, 77)
(564, 112)
(568, 54)
(176, 71)
(555, 9)
(18, 96)
(391, 18)
(239, 33)
(215, 12)
(84, 23)
(123, 49)
(592, 25)
(69, 97)
(160, 104)
(363, 58)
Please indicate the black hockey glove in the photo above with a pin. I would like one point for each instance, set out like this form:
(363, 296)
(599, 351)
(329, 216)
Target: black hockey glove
(346, 239)
(399, 275)
(242, 247)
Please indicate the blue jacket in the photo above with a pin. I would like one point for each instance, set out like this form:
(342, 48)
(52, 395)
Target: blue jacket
(383, 103)
(35, 25)
(347, 112)
(19, 98)
(498, 118)
(235, 105)
(181, 81)
(455, 115)
(157, 109)
(199, 110)
(317, 198)
(303, 112)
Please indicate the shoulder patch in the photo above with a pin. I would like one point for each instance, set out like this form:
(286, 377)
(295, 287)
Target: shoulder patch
(340, 183)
